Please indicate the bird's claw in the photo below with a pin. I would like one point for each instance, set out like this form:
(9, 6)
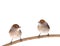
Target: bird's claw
(20, 39)
(11, 42)
(47, 34)
(39, 35)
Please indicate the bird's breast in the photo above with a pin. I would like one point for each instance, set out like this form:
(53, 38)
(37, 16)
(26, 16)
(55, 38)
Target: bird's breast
(15, 34)
(41, 27)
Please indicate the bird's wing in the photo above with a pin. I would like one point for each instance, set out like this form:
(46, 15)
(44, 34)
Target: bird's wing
(20, 30)
(48, 26)
(10, 30)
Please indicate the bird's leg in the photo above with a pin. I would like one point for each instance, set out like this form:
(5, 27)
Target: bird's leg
(20, 38)
(39, 35)
(11, 41)
(48, 34)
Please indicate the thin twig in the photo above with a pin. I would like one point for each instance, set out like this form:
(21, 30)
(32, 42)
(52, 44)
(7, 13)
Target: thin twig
(33, 37)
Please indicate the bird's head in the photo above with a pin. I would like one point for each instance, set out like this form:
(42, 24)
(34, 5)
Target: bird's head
(42, 21)
(16, 26)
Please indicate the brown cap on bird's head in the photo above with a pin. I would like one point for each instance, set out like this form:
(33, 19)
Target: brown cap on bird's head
(16, 26)
(41, 21)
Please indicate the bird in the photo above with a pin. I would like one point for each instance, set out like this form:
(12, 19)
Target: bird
(43, 27)
(15, 32)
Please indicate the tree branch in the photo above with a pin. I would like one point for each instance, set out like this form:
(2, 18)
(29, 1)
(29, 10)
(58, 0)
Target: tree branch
(33, 37)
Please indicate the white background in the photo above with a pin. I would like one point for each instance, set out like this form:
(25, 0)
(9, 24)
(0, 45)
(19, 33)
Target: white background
(27, 13)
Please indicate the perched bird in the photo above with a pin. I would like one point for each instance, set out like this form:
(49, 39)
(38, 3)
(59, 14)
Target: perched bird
(43, 27)
(15, 32)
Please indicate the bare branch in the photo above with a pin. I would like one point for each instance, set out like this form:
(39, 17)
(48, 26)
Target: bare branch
(33, 37)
